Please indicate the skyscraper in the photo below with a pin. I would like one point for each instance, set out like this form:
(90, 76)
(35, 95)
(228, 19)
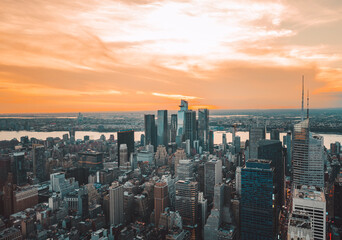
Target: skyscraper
(203, 127)
(307, 156)
(311, 201)
(185, 169)
(211, 141)
(190, 126)
(181, 117)
(224, 141)
(173, 128)
(126, 137)
(20, 176)
(255, 135)
(257, 212)
(273, 150)
(161, 198)
(39, 162)
(116, 200)
(187, 201)
(212, 176)
(162, 126)
(150, 130)
(287, 141)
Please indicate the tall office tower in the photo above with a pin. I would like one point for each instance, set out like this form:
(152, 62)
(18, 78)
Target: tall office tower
(300, 226)
(161, 198)
(161, 156)
(307, 156)
(224, 141)
(219, 198)
(238, 180)
(287, 141)
(173, 128)
(142, 140)
(123, 155)
(233, 133)
(126, 137)
(212, 176)
(20, 176)
(273, 150)
(211, 141)
(203, 209)
(181, 119)
(257, 212)
(215, 218)
(237, 144)
(316, 161)
(190, 126)
(274, 134)
(162, 128)
(187, 201)
(185, 169)
(5, 168)
(311, 201)
(203, 127)
(39, 162)
(150, 130)
(179, 155)
(255, 135)
(116, 200)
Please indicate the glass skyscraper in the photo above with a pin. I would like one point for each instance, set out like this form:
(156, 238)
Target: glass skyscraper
(257, 209)
(150, 130)
(162, 126)
(203, 127)
(307, 155)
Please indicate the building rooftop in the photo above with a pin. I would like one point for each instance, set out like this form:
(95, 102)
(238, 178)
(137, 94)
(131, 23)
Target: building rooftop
(309, 193)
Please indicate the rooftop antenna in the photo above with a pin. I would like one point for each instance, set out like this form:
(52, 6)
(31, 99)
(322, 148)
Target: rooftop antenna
(307, 108)
(302, 116)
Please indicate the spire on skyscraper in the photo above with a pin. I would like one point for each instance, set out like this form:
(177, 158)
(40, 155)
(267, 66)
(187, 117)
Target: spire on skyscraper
(302, 115)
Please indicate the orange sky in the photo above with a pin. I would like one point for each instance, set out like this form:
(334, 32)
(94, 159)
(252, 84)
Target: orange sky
(88, 55)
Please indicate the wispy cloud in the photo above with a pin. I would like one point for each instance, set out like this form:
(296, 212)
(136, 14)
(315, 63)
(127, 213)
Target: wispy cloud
(175, 96)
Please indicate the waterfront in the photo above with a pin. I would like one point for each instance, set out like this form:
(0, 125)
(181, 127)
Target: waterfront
(8, 135)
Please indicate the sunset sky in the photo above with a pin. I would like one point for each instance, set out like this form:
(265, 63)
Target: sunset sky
(87, 55)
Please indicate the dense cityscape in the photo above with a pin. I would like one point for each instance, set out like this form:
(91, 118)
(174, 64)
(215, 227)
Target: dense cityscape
(174, 182)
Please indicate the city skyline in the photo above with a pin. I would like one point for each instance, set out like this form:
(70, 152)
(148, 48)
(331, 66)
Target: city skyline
(87, 56)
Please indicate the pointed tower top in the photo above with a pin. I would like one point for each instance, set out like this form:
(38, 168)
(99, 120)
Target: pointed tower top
(302, 114)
